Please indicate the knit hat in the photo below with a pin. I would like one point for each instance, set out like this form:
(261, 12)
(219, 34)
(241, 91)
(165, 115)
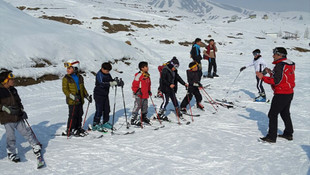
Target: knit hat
(174, 62)
(280, 51)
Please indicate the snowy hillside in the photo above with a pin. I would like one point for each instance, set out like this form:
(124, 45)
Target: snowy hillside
(220, 143)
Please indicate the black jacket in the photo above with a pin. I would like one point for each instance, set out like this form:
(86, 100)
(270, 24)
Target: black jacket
(192, 77)
(195, 53)
(169, 77)
(9, 97)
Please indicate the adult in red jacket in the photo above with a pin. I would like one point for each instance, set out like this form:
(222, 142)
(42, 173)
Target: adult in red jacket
(282, 81)
(141, 88)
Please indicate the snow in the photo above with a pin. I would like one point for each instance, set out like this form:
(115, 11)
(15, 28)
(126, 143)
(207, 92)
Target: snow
(221, 143)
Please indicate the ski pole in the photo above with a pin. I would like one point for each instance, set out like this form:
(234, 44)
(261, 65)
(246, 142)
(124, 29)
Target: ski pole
(70, 122)
(86, 114)
(210, 101)
(124, 106)
(155, 109)
(32, 131)
(114, 109)
(232, 84)
(189, 104)
(210, 97)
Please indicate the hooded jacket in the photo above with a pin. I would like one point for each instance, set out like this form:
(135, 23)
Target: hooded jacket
(169, 77)
(282, 78)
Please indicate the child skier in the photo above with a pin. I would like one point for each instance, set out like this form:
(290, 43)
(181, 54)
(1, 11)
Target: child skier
(169, 85)
(13, 116)
(101, 95)
(259, 66)
(74, 89)
(194, 84)
(141, 88)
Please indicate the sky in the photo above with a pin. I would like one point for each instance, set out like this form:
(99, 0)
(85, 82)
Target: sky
(270, 5)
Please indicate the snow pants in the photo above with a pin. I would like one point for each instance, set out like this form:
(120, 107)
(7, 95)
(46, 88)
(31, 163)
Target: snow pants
(191, 91)
(280, 105)
(140, 103)
(75, 116)
(25, 131)
(259, 86)
(212, 63)
(167, 95)
(102, 108)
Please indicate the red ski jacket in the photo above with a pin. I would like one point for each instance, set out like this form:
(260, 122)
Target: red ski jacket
(141, 85)
(282, 78)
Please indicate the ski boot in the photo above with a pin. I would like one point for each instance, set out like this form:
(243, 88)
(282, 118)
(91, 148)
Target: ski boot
(200, 106)
(13, 157)
(37, 150)
(260, 99)
(183, 110)
(146, 120)
(209, 75)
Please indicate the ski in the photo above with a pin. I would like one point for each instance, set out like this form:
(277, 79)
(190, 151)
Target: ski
(122, 133)
(194, 115)
(40, 162)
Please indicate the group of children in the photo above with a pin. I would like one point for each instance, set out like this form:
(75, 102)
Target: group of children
(13, 116)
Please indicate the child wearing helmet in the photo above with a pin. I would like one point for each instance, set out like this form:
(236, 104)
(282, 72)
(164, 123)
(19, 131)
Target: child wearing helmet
(259, 66)
(13, 117)
(74, 89)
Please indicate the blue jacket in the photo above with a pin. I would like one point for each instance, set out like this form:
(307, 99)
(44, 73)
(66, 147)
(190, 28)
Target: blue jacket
(195, 53)
(102, 84)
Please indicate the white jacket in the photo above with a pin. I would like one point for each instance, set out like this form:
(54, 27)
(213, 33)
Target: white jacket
(259, 65)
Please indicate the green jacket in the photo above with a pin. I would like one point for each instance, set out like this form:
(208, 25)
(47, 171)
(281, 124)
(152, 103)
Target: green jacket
(69, 87)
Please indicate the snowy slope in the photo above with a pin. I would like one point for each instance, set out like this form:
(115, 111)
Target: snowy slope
(221, 143)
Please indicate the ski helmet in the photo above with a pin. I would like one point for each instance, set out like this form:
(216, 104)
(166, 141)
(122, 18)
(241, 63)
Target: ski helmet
(280, 51)
(72, 63)
(256, 52)
(5, 75)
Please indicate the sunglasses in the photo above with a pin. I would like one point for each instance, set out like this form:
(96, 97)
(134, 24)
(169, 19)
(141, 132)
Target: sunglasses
(70, 64)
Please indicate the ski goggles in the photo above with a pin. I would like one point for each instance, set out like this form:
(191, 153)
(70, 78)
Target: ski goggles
(256, 53)
(195, 65)
(174, 65)
(10, 76)
(70, 64)
(276, 51)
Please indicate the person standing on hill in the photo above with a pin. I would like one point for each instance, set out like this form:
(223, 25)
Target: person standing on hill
(209, 54)
(282, 81)
(259, 66)
(195, 54)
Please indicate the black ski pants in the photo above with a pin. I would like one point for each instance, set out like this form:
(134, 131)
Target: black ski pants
(75, 116)
(259, 85)
(280, 105)
(170, 94)
(191, 91)
(212, 63)
(102, 108)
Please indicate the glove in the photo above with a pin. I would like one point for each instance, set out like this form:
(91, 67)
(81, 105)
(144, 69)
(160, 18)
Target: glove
(150, 93)
(196, 84)
(13, 110)
(242, 68)
(113, 83)
(74, 97)
(120, 83)
(89, 98)
(200, 85)
(24, 116)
